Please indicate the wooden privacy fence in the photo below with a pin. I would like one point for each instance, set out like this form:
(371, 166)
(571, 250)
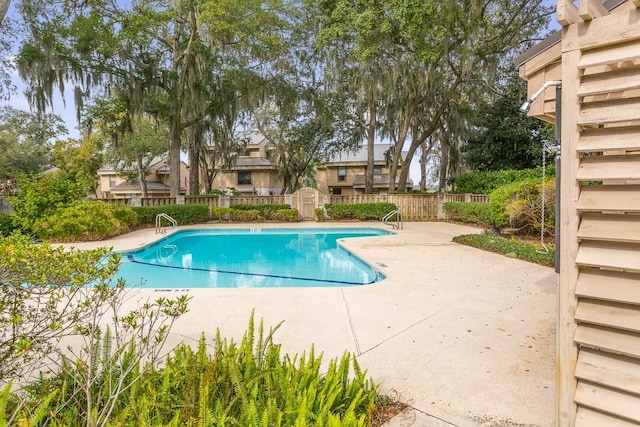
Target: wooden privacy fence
(414, 207)
(466, 197)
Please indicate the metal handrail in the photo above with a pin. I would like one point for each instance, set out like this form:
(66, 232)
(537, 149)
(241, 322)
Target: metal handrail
(398, 224)
(159, 217)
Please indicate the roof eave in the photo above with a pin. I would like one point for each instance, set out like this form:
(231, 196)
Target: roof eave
(553, 39)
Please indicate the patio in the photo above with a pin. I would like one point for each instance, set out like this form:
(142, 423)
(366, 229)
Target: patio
(466, 337)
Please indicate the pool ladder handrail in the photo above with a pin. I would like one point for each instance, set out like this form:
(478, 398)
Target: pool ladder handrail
(159, 218)
(398, 225)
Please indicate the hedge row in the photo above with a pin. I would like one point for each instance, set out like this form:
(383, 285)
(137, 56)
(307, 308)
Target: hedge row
(360, 211)
(234, 214)
(183, 214)
(474, 213)
(266, 211)
(486, 182)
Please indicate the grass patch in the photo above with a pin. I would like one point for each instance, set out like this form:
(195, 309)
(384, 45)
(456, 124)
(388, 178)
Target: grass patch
(509, 246)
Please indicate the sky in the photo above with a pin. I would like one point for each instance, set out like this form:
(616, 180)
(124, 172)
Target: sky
(66, 110)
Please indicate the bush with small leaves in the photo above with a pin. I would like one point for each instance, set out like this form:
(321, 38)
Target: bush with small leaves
(88, 220)
(519, 205)
(360, 211)
(183, 214)
(474, 213)
(40, 196)
(49, 294)
(6, 224)
(288, 215)
(487, 181)
(221, 214)
(266, 210)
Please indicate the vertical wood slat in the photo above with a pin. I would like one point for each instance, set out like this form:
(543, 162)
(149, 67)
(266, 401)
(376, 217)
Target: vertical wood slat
(414, 207)
(567, 352)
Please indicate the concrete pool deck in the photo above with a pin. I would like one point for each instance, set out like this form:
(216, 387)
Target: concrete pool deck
(466, 337)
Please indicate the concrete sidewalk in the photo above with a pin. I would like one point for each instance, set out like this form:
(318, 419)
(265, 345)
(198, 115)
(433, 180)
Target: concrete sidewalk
(466, 337)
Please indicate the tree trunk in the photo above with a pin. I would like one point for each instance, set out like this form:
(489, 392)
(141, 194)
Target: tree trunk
(444, 167)
(424, 155)
(142, 179)
(174, 154)
(406, 166)
(207, 176)
(193, 136)
(4, 7)
(397, 153)
(371, 139)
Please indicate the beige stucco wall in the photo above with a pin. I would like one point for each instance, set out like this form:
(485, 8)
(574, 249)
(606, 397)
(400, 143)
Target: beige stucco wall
(263, 182)
(327, 177)
(104, 189)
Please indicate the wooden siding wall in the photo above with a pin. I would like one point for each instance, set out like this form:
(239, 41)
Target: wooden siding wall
(599, 296)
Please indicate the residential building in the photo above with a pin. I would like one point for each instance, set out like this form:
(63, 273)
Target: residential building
(253, 173)
(112, 186)
(344, 174)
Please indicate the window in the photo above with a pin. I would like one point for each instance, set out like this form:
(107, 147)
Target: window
(342, 173)
(244, 177)
(336, 191)
(112, 181)
(377, 170)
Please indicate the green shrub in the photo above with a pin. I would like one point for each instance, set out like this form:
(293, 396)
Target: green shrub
(40, 196)
(86, 221)
(486, 182)
(183, 214)
(519, 205)
(6, 224)
(248, 213)
(223, 214)
(360, 211)
(245, 215)
(232, 191)
(320, 214)
(475, 213)
(240, 384)
(289, 215)
(266, 210)
(495, 243)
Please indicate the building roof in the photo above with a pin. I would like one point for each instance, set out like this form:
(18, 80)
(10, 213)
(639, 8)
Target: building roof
(184, 158)
(253, 137)
(134, 186)
(554, 38)
(253, 162)
(360, 154)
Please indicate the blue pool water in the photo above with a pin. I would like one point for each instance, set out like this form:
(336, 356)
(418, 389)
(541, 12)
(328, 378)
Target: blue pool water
(250, 258)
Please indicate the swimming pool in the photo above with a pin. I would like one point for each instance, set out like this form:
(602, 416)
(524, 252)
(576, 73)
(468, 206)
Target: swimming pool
(250, 258)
